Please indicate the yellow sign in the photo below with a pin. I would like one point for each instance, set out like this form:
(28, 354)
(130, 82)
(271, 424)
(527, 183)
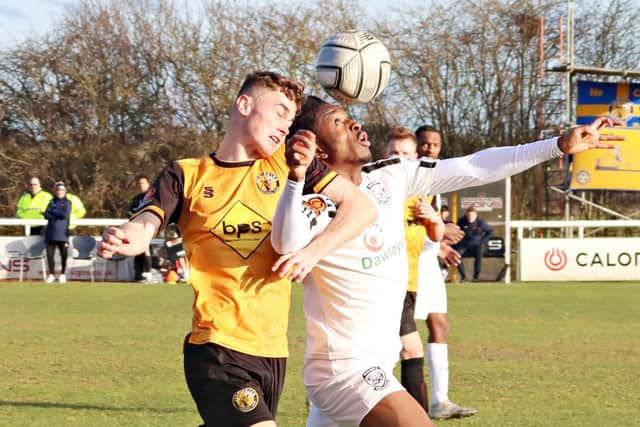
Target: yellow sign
(618, 168)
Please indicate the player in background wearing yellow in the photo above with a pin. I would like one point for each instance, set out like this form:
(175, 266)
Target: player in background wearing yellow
(223, 204)
(402, 142)
(353, 296)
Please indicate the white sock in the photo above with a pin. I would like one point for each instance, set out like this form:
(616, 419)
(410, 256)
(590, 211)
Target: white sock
(438, 361)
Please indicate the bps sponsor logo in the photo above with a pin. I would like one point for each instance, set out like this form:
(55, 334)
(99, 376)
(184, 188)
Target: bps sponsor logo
(242, 229)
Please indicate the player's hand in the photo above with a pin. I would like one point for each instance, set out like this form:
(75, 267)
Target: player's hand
(425, 212)
(300, 151)
(449, 255)
(583, 138)
(296, 265)
(452, 233)
(114, 241)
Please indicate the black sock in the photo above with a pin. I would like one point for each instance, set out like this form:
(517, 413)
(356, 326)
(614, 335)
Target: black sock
(412, 378)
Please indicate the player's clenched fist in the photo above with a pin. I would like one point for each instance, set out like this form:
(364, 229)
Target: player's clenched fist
(113, 239)
(300, 151)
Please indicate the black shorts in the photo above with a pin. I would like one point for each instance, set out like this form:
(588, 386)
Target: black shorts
(230, 388)
(408, 322)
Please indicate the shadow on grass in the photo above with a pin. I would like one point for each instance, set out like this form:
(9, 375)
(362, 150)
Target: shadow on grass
(80, 406)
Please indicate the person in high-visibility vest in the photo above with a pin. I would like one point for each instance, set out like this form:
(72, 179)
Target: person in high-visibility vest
(33, 203)
(77, 209)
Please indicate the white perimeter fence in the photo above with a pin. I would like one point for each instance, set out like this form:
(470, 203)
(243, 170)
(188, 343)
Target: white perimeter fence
(575, 257)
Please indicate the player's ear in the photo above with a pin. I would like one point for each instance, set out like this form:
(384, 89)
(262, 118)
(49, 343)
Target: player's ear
(244, 104)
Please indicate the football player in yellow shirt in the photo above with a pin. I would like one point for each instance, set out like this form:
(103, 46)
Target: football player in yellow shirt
(234, 357)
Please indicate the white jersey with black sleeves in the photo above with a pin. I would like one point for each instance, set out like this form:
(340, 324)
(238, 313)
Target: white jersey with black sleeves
(353, 297)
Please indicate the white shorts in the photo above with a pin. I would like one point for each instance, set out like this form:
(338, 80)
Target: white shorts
(342, 392)
(432, 291)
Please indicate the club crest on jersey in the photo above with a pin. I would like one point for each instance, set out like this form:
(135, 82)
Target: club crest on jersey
(267, 183)
(376, 378)
(242, 229)
(379, 192)
(373, 238)
(246, 399)
(316, 204)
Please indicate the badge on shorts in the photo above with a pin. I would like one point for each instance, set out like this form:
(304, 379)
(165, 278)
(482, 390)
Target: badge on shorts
(246, 399)
(376, 378)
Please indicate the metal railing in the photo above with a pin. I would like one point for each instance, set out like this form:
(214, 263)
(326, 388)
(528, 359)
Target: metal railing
(572, 229)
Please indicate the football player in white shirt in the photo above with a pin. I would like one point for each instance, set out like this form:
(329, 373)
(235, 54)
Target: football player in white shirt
(418, 230)
(353, 297)
(430, 301)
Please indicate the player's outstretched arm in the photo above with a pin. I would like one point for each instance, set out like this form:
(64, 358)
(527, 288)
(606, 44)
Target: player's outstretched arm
(131, 238)
(493, 164)
(587, 137)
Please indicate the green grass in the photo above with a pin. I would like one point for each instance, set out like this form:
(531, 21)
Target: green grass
(523, 354)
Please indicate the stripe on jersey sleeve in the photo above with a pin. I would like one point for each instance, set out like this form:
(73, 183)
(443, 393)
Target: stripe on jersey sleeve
(380, 164)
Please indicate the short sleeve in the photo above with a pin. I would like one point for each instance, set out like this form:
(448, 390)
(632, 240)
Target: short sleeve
(165, 197)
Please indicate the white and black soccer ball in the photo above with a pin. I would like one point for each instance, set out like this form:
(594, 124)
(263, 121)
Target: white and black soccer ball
(353, 66)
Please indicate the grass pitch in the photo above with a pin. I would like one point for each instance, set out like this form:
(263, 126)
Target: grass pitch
(525, 355)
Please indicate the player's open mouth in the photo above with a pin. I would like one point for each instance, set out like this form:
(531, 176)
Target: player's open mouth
(275, 139)
(363, 139)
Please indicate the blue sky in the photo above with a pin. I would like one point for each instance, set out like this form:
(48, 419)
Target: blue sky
(20, 19)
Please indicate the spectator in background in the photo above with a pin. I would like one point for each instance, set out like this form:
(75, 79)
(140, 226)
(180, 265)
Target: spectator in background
(445, 214)
(56, 234)
(77, 210)
(33, 203)
(141, 262)
(476, 232)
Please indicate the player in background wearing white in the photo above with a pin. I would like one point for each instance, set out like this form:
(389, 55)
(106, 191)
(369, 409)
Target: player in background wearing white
(432, 299)
(353, 296)
(402, 142)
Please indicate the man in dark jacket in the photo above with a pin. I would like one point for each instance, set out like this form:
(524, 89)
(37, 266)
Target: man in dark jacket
(476, 232)
(57, 232)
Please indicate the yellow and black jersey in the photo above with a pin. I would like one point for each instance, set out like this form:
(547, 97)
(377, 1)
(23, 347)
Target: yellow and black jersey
(415, 233)
(224, 211)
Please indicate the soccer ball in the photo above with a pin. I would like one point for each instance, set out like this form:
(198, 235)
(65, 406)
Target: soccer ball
(353, 66)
